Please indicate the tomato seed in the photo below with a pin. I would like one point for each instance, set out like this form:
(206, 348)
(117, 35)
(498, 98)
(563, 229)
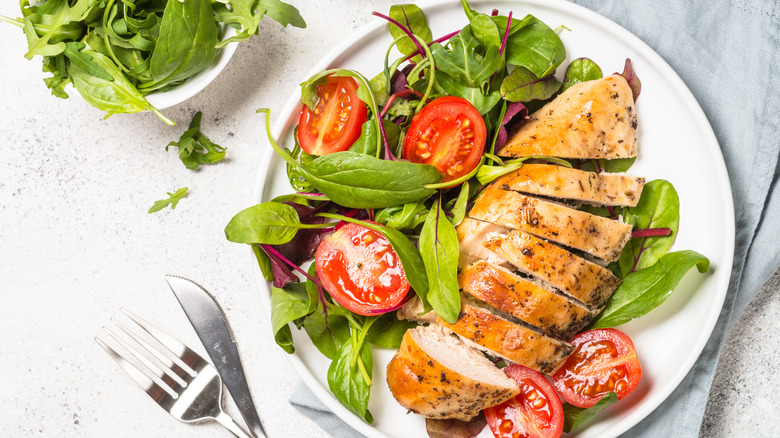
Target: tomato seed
(539, 403)
(506, 426)
(533, 395)
(620, 386)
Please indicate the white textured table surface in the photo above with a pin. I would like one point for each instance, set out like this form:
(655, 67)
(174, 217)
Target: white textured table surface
(76, 243)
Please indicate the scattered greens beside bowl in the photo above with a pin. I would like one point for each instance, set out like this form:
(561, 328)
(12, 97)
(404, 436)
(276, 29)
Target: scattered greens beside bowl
(115, 52)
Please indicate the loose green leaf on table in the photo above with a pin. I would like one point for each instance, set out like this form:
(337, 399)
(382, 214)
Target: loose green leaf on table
(643, 291)
(574, 417)
(172, 200)
(195, 148)
(439, 249)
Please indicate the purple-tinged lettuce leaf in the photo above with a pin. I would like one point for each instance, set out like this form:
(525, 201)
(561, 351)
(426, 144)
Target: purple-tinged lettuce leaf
(281, 272)
(631, 78)
(455, 428)
(305, 242)
(514, 110)
(521, 85)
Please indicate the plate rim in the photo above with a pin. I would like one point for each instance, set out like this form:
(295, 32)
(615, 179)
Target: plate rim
(281, 125)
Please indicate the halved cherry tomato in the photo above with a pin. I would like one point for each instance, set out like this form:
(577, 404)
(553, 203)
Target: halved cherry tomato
(361, 270)
(603, 360)
(336, 120)
(536, 412)
(449, 134)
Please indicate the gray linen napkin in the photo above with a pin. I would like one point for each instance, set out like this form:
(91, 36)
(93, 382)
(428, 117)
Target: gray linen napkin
(728, 54)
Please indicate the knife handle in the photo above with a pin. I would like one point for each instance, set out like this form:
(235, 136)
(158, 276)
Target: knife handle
(225, 420)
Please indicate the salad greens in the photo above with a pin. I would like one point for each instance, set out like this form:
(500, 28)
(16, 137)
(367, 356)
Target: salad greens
(501, 65)
(172, 200)
(115, 52)
(195, 148)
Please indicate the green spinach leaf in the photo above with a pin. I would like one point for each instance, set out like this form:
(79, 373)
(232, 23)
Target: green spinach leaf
(172, 200)
(481, 101)
(270, 223)
(287, 305)
(186, 44)
(401, 217)
(534, 46)
(581, 70)
(349, 376)
(459, 210)
(485, 31)
(574, 417)
(439, 249)
(387, 331)
(643, 291)
(658, 207)
(264, 262)
(362, 181)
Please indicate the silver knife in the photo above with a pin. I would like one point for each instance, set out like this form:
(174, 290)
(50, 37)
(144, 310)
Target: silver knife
(209, 322)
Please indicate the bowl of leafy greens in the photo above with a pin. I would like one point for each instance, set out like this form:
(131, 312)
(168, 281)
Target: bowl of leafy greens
(128, 56)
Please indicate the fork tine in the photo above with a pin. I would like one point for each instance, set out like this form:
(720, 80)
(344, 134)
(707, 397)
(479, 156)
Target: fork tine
(148, 385)
(176, 349)
(169, 367)
(155, 373)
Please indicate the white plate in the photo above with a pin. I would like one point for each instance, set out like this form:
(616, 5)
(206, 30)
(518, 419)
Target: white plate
(676, 143)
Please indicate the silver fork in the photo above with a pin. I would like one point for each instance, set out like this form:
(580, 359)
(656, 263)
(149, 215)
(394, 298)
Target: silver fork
(186, 385)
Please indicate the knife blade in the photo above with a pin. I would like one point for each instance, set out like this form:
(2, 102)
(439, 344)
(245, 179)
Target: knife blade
(208, 319)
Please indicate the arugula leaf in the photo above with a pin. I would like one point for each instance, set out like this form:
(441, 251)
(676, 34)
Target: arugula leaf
(658, 207)
(459, 210)
(534, 46)
(172, 200)
(84, 61)
(52, 16)
(481, 101)
(195, 148)
(574, 417)
(414, 19)
(522, 85)
(283, 13)
(581, 70)
(462, 60)
(270, 223)
(362, 181)
(287, 305)
(642, 291)
(114, 97)
(439, 249)
(245, 16)
(349, 376)
(487, 174)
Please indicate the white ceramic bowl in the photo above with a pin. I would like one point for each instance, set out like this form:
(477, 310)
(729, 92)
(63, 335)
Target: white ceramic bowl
(193, 85)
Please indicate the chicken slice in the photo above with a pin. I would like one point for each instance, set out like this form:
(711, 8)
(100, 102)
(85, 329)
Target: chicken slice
(437, 375)
(471, 234)
(598, 236)
(593, 119)
(552, 313)
(562, 182)
(518, 343)
(573, 275)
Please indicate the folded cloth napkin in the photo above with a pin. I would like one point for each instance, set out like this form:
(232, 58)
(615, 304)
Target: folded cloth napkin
(727, 52)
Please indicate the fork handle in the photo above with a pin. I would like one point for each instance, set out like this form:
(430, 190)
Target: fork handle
(225, 420)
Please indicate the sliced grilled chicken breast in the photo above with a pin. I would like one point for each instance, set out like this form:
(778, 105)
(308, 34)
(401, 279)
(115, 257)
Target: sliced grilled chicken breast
(471, 234)
(562, 182)
(437, 375)
(518, 343)
(548, 311)
(593, 119)
(598, 236)
(573, 275)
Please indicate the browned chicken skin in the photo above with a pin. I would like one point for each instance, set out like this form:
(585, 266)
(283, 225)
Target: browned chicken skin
(593, 119)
